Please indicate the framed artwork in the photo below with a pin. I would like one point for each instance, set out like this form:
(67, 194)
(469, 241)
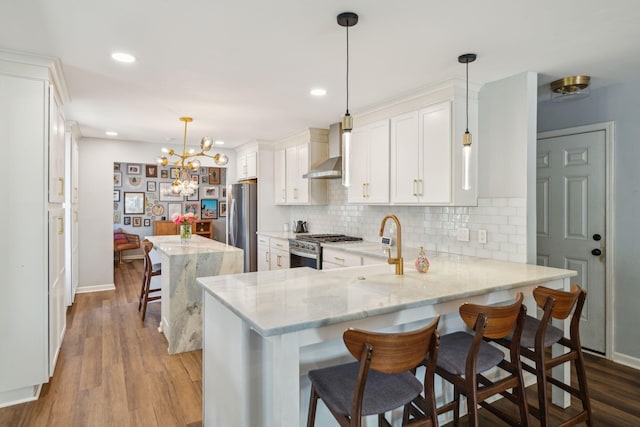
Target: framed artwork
(133, 203)
(135, 181)
(193, 197)
(223, 192)
(204, 171)
(116, 217)
(133, 169)
(164, 174)
(223, 209)
(151, 171)
(147, 222)
(117, 179)
(209, 192)
(116, 167)
(209, 209)
(193, 208)
(174, 208)
(166, 195)
(116, 195)
(127, 220)
(137, 221)
(151, 186)
(195, 178)
(174, 173)
(214, 175)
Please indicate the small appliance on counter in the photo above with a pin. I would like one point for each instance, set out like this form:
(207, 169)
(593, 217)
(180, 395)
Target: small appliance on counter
(300, 226)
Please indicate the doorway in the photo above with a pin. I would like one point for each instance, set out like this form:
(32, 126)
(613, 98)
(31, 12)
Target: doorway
(574, 219)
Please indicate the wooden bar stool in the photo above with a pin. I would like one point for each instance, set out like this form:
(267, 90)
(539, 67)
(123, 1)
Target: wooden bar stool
(463, 357)
(381, 379)
(150, 270)
(539, 335)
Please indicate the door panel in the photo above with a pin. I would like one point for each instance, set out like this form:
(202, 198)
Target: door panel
(571, 209)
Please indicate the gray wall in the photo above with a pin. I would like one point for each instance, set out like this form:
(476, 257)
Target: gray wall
(618, 103)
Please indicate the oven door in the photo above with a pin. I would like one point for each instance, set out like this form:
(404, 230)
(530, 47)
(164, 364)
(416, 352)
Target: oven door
(303, 259)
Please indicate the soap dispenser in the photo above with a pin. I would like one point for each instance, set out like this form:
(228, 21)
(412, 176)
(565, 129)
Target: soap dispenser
(422, 263)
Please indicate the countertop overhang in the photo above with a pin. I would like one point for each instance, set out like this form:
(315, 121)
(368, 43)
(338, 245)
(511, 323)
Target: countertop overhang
(282, 301)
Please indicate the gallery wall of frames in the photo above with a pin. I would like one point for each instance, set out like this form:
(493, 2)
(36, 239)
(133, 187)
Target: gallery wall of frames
(140, 196)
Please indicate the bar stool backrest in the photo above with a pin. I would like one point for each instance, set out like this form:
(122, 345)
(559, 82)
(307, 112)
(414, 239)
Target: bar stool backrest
(500, 320)
(564, 301)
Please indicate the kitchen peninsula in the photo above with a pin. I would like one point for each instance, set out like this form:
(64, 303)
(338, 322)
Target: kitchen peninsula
(181, 317)
(264, 331)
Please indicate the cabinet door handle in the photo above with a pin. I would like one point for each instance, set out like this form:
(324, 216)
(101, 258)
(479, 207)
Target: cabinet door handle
(75, 216)
(415, 187)
(366, 186)
(421, 187)
(266, 257)
(284, 194)
(295, 193)
(61, 225)
(61, 192)
(339, 259)
(278, 261)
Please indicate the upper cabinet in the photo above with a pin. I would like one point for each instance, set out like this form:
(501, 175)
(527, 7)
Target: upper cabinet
(247, 165)
(421, 156)
(294, 158)
(56, 149)
(369, 164)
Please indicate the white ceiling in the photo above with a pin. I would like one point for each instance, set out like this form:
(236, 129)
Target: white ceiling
(243, 69)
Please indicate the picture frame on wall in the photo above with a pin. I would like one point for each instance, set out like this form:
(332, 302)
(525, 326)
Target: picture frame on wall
(172, 209)
(193, 208)
(116, 195)
(127, 220)
(222, 209)
(137, 221)
(133, 203)
(147, 222)
(117, 179)
(133, 169)
(205, 179)
(117, 217)
(223, 192)
(151, 186)
(193, 197)
(164, 174)
(151, 171)
(209, 209)
(214, 175)
(166, 195)
(207, 192)
(116, 167)
(174, 172)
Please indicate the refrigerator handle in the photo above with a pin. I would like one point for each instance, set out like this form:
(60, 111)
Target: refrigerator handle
(233, 223)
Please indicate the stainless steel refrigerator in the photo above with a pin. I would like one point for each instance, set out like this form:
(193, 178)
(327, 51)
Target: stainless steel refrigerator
(242, 218)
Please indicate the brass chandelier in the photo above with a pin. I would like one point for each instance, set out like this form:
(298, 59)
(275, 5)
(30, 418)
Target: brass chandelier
(186, 162)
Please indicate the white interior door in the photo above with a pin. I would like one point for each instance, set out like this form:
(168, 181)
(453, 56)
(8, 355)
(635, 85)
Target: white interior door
(571, 195)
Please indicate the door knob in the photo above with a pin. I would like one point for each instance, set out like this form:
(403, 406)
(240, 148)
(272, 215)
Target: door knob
(596, 252)
(597, 237)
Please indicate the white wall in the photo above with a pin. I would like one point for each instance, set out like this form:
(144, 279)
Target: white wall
(95, 224)
(618, 103)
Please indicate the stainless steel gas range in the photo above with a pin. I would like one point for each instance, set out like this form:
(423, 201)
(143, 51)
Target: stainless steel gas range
(306, 250)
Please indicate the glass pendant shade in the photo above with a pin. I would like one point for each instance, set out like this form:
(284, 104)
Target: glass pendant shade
(466, 137)
(346, 157)
(466, 162)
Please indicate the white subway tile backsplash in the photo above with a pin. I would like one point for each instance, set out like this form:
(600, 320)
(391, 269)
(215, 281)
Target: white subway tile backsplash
(432, 227)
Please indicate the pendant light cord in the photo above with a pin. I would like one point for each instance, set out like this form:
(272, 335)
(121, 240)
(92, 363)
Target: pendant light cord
(347, 69)
(467, 130)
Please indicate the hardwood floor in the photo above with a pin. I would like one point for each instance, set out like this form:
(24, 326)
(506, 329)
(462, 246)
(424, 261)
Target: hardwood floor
(114, 370)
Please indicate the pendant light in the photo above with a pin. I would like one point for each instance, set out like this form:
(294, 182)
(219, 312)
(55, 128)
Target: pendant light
(466, 137)
(347, 19)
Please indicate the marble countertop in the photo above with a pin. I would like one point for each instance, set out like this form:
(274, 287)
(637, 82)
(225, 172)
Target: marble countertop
(281, 301)
(281, 234)
(172, 246)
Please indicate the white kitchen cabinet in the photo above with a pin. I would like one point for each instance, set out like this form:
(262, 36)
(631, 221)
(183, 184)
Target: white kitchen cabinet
(71, 212)
(280, 177)
(263, 253)
(421, 156)
(336, 258)
(33, 259)
(247, 165)
(300, 154)
(369, 164)
(279, 253)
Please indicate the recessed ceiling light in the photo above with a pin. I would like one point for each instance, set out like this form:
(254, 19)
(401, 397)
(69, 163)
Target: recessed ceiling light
(123, 57)
(318, 92)
(219, 142)
(111, 133)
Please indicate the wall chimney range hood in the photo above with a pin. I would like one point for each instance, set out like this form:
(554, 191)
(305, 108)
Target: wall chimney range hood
(332, 167)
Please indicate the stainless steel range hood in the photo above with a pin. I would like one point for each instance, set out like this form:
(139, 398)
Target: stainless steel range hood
(332, 167)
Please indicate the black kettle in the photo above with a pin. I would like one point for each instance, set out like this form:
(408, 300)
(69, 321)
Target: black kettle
(301, 227)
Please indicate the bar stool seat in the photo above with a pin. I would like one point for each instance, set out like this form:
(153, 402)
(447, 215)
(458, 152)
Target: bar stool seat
(381, 380)
(531, 326)
(150, 270)
(453, 352)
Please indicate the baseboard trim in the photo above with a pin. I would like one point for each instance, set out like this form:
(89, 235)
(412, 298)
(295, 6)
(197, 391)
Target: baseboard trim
(623, 359)
(95, 288)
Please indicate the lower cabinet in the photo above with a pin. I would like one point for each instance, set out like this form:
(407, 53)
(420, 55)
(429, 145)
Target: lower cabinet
(263, 253)
(336, 258)
(273, 253)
